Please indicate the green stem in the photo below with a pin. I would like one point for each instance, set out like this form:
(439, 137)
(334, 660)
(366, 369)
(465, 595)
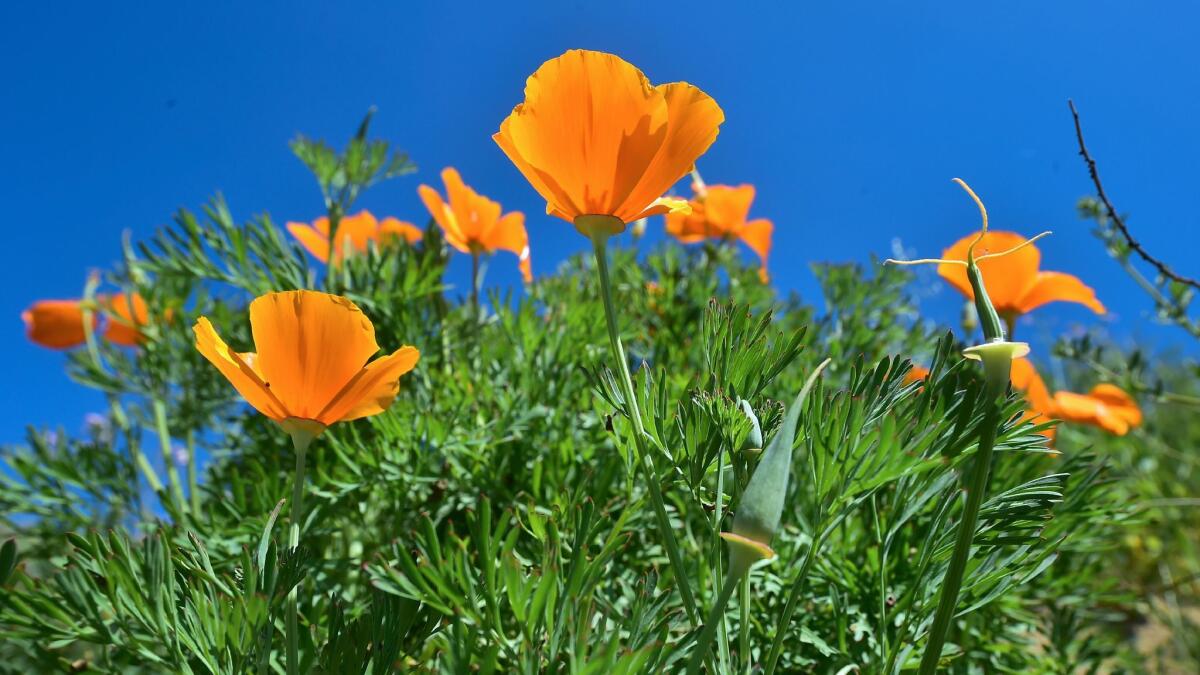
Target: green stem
(164, 440)
(744, 625)
(722, 632)
(645, 463)
(475, 284)
(790, 607)
(193, 483)
(300, 441)
(952, 582)
(716, 617)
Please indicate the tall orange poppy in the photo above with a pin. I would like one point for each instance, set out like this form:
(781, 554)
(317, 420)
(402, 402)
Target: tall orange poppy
(472, 223)
(722, 212)
(310, 368)
(595, 138)
(59, 324)
(1106, 406)
(358, 229)
(1014, 282)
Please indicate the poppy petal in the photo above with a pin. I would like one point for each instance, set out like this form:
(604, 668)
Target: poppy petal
(1086, 409)
(1118, 402)
(311, 239)
(372, 390)
(444, 217)
(757, 235)
(1007, 279)
(509, 234)
(309, 346)
(393, 227)
(125, 316)
(1058, 286)
(238, 370)
(56, 324)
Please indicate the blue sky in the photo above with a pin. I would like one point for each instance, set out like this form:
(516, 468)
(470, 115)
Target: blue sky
(850, 117)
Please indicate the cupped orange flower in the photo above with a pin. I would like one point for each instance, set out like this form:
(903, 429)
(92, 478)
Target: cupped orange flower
(1106, 406)
(358, 229)
(472, 223)
(59, 324)
(1014, 282)
(311, 364)
(595, 138)
(1041, 408)
(723, 212)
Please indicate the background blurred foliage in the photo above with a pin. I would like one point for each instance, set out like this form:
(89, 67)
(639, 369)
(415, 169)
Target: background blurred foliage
(490, 521)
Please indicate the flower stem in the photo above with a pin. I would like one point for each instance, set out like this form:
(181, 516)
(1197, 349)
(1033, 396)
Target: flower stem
(164, 439)
(793, 599)
(301, 441)
(645, 462)
(952, 582)
(716, 617)
(475, 284)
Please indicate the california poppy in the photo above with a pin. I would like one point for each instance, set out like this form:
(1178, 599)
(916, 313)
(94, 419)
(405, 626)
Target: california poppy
(915, 374)
(1040, 406)
(311, 367)
(358, 229)
(601, 144)
(1014, 282)
(1106, 406)
(722, 212)
(59, 324)
(472, 223)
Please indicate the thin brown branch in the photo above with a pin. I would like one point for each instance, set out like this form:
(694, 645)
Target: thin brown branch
(1113, 216)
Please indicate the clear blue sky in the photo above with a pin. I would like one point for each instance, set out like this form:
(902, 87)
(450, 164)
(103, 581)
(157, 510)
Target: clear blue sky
(850, 117)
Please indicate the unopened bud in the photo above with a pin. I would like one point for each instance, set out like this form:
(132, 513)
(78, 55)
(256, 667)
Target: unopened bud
(752, 445)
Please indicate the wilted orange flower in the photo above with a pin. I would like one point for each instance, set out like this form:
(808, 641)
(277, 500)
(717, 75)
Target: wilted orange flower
(472, 223)
(359, 229)
(595, 138)
(58, 324)
(1041, 408)
(1106, 406)
(311, 367)
(722, 212)
(1014, 282)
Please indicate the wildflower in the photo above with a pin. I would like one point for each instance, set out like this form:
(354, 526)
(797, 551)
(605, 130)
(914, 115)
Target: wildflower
(59, 324)
(1041, 407)
(1106, 406)
(1015, 284)
(915, 374)
(601, 144)
(311, 367)
(472, 223)
(358, 230)
(721, 212)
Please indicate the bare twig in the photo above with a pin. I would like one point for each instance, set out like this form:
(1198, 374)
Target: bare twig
(1112, 212)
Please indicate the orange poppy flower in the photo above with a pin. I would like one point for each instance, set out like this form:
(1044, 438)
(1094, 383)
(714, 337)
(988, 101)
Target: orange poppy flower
(915, 374)
(1041, 407)
(359, 229)
(722, 212)
(1106, 406)
(595, 138)
(472, 223)
(311, 367)
(1014, 282)
(58, 324)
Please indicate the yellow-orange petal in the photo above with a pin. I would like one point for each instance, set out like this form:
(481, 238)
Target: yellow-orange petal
(309, 346)
(1084, 409)
(915, 374)
(56, 324)
(664, 206)
(1007, 278)
(126, 314)
(727, 208)
(757, 235)
(238, 370)
(311, 239)
(372, 389)
(355, 231)
(693, 122)
(1118, 402)
(393, 227)
(1058, 286)
(444, 217)
(509, 234)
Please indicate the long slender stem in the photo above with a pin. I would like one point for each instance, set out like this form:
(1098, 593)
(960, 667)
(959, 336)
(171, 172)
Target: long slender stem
(301, 442)
(646, 463)
(722, 632)
(716, 617)
(193, 482)
(793, 600)
(952, 582)
(744, 624)
(164, 439)
(475, 284)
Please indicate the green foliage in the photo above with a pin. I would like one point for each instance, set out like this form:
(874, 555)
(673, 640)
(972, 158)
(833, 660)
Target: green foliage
(492, 520)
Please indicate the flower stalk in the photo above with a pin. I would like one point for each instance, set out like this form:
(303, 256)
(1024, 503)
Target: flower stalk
(302, 436)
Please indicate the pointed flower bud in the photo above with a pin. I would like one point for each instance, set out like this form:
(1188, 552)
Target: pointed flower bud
(754, 440)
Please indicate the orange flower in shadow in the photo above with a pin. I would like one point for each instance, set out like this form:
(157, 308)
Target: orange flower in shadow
(1040, 405)
(722, 212)
(472, 223)
(59, 324)
(1014, 282)
(915, 374)
(1106, 406)
(595, 138)
(311, 368)
(358, 229)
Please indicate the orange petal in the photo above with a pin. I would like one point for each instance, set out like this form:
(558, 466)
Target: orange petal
(238, 370)
(1007, 279)
(694, 119)
(475, 214)
(663, 206)
(727, 208)
(392, 227)
(509, 235)
(916, 374)
(57, 324)
(1025, 379)
(309, 346)
(311, 239)
(757, 235)
(125, 318)
(372, 390)
(444, 217)
(355, 230)
(1052, 286)
(1118, 403)
(1085, 409)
